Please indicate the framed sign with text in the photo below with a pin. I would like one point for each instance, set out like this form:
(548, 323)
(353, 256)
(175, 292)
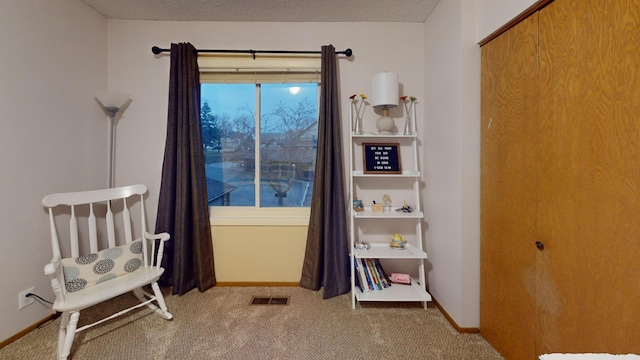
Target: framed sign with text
(381, 158)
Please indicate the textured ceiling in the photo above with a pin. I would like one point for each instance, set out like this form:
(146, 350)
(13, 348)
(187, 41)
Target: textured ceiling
(267, 10)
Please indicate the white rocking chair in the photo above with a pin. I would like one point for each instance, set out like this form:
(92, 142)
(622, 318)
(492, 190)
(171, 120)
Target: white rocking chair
(105, 269)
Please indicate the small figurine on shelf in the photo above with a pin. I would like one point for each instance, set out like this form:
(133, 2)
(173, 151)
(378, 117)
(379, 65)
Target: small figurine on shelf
(386, 202)
(397, 241)
(362, 245)
(405, 208)
(357, 205)
(376, 208)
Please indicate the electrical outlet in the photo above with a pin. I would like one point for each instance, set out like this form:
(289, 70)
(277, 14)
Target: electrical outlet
(23, 300)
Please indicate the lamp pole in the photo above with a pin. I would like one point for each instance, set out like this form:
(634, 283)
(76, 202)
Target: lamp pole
(112, 122)
(112, 102)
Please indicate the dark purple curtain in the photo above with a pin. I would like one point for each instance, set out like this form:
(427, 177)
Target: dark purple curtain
(326, 260)
(183, 211)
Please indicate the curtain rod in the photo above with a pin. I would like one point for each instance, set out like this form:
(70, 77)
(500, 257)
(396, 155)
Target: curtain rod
(156, 50)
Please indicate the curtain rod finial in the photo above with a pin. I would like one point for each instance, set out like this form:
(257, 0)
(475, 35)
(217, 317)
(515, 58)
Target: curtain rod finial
(156, 50)
(348, 53)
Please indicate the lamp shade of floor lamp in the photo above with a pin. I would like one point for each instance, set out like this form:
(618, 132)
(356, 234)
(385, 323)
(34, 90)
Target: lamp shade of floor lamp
(385, 90)
(112, 102)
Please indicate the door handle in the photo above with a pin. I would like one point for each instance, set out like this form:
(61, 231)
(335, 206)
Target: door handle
(540, 245)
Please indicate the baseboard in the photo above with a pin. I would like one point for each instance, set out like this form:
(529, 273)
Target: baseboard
(257, 283)
(27, 330)
(460, 329)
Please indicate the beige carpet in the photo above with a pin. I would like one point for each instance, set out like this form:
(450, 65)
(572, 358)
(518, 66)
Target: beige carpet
(221, 324)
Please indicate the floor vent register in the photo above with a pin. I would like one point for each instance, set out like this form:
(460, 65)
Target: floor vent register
(266, 300)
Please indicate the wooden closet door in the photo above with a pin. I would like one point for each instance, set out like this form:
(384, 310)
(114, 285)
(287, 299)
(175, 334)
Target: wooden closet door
(508, 195)
(588, 284)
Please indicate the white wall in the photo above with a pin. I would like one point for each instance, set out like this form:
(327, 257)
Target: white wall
(452, 148)
(450, 163)
(469, 168)
(492, 14)
(133, 68)
(53, 137)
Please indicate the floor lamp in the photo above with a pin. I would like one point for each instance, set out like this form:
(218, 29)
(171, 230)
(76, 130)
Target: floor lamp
(112, 102)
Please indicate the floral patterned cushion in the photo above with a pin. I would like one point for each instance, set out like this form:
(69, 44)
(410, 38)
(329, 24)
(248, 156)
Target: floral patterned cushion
(92, 269)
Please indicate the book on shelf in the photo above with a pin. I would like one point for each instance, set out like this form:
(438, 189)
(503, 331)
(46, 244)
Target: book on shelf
(357, 280)
(370, 275)
(386, 282)
(360, 277)
(367, 275)
(373, 273)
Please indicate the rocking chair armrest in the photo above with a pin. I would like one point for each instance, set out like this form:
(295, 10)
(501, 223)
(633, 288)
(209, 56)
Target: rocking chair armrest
(50, 268)
(161, 236)
(54, 270)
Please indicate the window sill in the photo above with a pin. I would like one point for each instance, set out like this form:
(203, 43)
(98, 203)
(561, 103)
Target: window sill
(230, 216)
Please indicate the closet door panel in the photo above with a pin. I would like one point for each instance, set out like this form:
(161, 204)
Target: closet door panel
(589, 177)
(508, 184)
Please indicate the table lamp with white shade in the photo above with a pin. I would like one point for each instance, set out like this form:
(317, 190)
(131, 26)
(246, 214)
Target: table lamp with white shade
(385, 90)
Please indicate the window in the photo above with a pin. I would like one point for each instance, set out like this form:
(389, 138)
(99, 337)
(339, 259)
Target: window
(259, 132)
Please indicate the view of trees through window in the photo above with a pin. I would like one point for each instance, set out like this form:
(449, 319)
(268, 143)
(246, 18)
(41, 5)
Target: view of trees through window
(282, 120)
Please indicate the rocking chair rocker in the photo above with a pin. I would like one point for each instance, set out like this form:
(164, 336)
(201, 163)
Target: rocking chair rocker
(102, 269)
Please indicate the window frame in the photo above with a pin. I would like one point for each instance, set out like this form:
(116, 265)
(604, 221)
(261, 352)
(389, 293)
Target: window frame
(263, 69)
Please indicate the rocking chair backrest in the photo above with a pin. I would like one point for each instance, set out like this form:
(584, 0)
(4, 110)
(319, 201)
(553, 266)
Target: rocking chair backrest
(109, 198)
